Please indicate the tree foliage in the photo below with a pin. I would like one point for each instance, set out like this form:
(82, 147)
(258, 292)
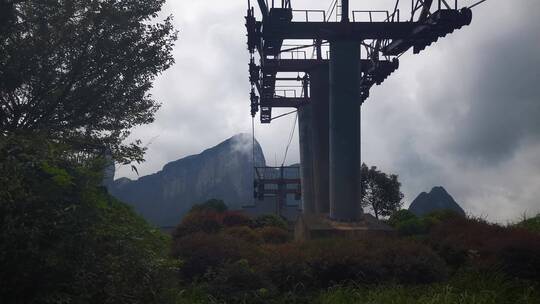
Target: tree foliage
(380, 191)
(79, 71)
(63, 239)
(214, 205)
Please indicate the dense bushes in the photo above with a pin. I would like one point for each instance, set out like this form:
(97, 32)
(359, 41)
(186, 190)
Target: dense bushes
(213, 205)
(238, 282)
(203, 252)
(274, 235)
(254, 260)
(210, 221)
(531, 224)
(372, 261)
(63, 239)
(314, 264)
(462, 241)
(471, 242)
(270, 220)
(408, 224)
(244, 233)
(235, 258)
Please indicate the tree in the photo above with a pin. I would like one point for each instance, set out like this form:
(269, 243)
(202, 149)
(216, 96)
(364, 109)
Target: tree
(79, 71)
(380, 192)
(63, 239)
(215, 205)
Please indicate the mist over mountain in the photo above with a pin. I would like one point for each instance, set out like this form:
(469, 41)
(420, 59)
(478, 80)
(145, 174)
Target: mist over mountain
(224, 171)
(436, 200)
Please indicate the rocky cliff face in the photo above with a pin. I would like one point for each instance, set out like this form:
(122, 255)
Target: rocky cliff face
(224, 171)
(437, 199)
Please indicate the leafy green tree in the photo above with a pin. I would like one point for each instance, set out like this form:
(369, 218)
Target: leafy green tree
(63, 239)
(380, 191)
(79, 71)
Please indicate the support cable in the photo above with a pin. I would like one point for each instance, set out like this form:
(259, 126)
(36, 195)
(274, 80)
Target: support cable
(253, 152)
(477, 3)
(290, 139)
(283, 115)
(253, 140)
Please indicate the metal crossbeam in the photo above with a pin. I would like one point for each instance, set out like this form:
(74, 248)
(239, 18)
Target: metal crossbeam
(389, 38)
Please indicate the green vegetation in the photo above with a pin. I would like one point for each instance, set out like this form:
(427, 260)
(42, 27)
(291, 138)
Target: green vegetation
(63, 239)
(452, 259)
(471, 287)
(74, 80)
(214, 205)
(380, 191)
(79, 72)
(531, 224)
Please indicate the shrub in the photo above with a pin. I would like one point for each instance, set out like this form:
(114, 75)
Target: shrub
(212, 205)
(285, 266)
(532, 224)
(373, 260)
(488, 246)
(274, 235)
(400, 216)
(270, 220)
(324, 263)
(201, 252)
(233, 219)
(244, 233)
(193, 222)
(413, 226)
(63, 239)
(517, 252)
(237, 282)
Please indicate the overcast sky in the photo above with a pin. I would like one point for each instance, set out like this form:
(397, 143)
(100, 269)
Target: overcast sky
(464, 114)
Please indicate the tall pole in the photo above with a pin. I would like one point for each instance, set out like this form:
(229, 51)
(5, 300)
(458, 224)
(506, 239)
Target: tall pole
(345, 131)
(345, 11)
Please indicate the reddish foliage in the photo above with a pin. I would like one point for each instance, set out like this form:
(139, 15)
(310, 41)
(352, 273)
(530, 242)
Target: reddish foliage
(193, 222)
(210, 221)
(274, 235)
(285, 266)
(322, 263)
(244, 233)
(201, 252)
(460, 241)
(374, 260)
(235, 219)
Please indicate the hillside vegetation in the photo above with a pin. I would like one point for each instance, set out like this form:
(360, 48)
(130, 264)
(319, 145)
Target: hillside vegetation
(439, 258)
(65, 240)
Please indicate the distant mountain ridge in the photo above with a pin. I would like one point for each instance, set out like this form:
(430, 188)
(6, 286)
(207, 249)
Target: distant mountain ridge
(224, 171)
(437, 199)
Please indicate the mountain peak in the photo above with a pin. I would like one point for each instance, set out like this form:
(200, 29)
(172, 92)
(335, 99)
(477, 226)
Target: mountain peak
(224, 171)
(437, 199)
(438, 190)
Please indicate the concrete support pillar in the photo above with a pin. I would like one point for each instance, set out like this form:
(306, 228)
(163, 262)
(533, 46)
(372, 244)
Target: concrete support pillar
(319, 103)
(305, 122)
(344, 112)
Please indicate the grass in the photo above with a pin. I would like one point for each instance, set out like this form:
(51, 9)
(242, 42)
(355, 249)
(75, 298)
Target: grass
(463, 288)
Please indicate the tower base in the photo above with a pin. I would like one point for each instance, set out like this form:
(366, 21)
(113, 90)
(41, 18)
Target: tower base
(317, 226)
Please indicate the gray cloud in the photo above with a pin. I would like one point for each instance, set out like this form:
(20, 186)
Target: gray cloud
(464, 114)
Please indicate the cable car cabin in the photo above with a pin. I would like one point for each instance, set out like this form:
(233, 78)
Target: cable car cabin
(277, 190)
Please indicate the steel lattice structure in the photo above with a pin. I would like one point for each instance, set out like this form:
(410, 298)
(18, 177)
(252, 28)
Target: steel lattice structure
(388, 40)
(330, 86)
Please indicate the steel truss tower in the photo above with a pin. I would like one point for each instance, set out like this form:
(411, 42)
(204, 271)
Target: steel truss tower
(333, 87)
